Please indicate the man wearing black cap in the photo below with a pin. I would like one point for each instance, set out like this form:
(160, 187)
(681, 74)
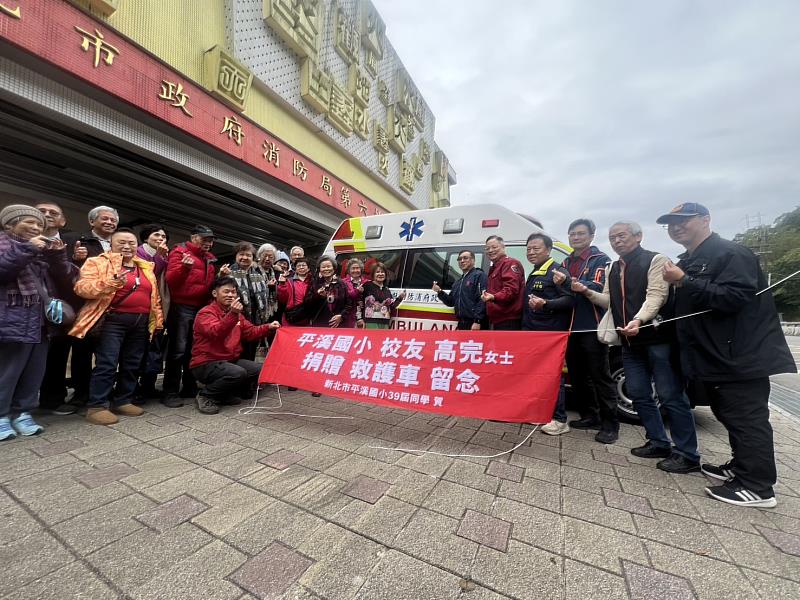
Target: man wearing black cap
(731, 351)
(190, 274)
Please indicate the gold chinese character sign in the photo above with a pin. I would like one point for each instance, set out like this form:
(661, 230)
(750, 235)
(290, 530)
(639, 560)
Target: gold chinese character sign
(297, 22)
(226, 78)
(11, 12)
(315, 86)
(102, 49)
(373, 33)
(346, 37)
(174, 94)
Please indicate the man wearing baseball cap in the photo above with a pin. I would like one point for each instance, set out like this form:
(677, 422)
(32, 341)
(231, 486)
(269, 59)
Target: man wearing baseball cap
(729, 352)
(190, 274)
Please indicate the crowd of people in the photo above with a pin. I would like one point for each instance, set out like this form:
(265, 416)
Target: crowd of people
(122, 308)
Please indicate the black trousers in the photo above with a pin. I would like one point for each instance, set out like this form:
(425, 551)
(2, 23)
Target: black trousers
(223, 378)
(466, 325)
(590, 376)
(743, 408)
(180, 334)
(54, 385)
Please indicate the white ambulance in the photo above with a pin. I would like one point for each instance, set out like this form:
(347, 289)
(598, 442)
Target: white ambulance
(420, 247)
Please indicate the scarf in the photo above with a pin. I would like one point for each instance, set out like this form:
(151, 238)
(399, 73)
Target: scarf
(148, 249)
(259, 301)
(24, 291)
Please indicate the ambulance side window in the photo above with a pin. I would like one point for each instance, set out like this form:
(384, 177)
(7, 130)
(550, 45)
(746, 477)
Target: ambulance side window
(519, 252)
(393, 259)
(436, 264)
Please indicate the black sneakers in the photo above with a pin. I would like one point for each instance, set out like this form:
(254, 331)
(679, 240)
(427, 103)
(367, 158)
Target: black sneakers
(677, 463)
(650, 450)
(607, 436)
(733, 492)
(585, 423)
(206, 405)
(721, 473)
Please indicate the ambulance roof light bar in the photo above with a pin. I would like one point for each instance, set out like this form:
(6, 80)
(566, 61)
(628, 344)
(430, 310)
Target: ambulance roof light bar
(374, 232)
(490, 223)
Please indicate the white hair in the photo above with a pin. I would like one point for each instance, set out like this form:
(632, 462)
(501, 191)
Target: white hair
(633, 227)
(93, 214)
(264, 248)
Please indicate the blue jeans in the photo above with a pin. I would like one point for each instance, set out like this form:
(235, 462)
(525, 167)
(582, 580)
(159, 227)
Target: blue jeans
(122, 343)
(644, 364)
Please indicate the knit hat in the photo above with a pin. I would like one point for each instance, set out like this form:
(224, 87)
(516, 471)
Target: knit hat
(282, 256)
(15, 211)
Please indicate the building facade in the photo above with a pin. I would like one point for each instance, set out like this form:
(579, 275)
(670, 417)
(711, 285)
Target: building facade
(269, 120)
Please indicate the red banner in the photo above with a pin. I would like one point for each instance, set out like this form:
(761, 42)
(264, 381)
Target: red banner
(502, 375)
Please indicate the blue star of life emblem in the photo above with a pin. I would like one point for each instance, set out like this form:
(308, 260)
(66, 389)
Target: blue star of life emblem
(411, 228)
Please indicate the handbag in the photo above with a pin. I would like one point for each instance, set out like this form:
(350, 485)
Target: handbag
(606, 332)
(58, 312)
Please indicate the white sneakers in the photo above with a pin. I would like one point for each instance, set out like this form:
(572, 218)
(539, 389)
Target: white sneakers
(555, 428)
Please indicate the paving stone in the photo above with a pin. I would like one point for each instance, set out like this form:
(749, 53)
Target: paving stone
(628, 502)
(145, 430)
(136, 559)
(277, 522)
(610, 457)
(382, 521)
(228, 507)
(648, 584)
(198, 483)
(202, 454)
(201, 575)
(537, 468)
(485, 529)
(522, 572)
(343, 561)
(105, 476)
(15, 522)
(402, 577)
(323, 495)
(756, 552)
(588, 481)
(785, 542)
(532, 525)
(432, 537)
(648, 474)
(472, 475)
(73, 581)
(237, 465)
(172, 513)
(320, 457)
(101, 526)
(74, 500)
(541, 451)
(711, 579)
(429, 464)
(157, 471)
(61, 447)
(217, 438)
(354, 465)
(412, 487)
(173, 419)
(29, 464)
(278, 484)
(272, 572)
(29, 558)
(660, 498)
(583, 581)
(535, 492)
(600, 546)
(282, 459)
(366, 489)
(592, 507)
(111, 442)
(453, 499)
(584, 460)
(505, 471)
(681, 532)
(770, 586)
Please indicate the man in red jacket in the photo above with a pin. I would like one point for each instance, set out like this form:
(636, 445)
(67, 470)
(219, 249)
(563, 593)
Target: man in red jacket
(503, 295)
(219, 330)
(190, 273)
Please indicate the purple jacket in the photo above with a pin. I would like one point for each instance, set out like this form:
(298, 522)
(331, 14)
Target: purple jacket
(19, 323)
(160, 263)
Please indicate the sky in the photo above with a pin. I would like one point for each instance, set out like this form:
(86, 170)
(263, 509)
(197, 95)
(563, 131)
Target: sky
(612, 110)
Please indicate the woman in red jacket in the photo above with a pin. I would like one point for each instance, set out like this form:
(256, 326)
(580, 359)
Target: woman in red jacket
(292, 292)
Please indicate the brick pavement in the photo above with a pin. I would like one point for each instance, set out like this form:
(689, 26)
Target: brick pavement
(175, 504)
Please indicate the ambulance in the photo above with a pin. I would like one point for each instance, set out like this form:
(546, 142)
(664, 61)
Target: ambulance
(421, 246)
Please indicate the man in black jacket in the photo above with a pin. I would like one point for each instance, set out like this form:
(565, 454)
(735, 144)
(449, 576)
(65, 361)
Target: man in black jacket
(547, 306)
(731, 351)
(465, 296)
